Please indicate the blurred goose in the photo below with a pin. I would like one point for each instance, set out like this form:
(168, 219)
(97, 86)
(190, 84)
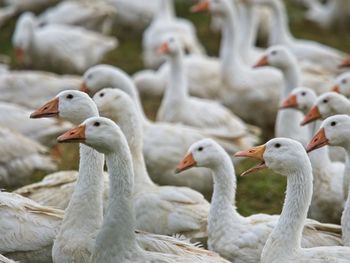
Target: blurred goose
(61, 48)
(328, 197)
(27, 228)
(243, 86)
(20, 157)
(342, 84)
(225, 224)
(32, 88)
(16, 118)
(119, 223)
(178, 107)
(288, 158)
(165, 22)
(164, 143)
(335, 131)
(159, 209)
(5, 260)
(94, 16)
(307, 50)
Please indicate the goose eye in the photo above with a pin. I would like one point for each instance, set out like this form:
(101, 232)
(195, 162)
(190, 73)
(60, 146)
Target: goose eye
(333, 123)
(325, 101)
(69, 96)
(200, 149)
(344, 81)
(274, 52)
(277, 145)
(96, 124)
(102, 94)
(303, 93)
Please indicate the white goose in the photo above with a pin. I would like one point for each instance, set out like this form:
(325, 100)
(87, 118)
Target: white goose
(328, 198)
(32, 88)
(65, 49)
(225, 224)
(159, 209)
(89, 14)
(164, 143)
(335, 131)
(178, 107)
(20, 157)
(242, 86)
(116, 240)
(288, 158)
(305, 50)
(165, 22)
(342, 84)
(27, 228)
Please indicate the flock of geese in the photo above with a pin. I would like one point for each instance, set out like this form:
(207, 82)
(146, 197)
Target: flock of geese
(149, 205)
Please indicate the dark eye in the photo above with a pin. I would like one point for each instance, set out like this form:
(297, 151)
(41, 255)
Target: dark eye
(325, 101)
(96, 124)
(274, 52)
(277, 145)
(89, 76)
(69, 96)
(303, 93)
(344, 81)
(102, 94)
(333, 123)
(200, 149)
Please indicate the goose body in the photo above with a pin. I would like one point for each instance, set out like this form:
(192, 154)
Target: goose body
(65, 49)
(289, 158)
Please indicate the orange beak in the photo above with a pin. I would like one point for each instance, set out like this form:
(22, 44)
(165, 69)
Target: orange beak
(200, 7)
(84, 88)
(345, 63)
(19, 53)
(312, 115)
(186, 163)
(256, 153)
(74, 135)
(49, 109)
(318, 141)
(336, 89)
(262, 62)
(290, 102)
(164, 48)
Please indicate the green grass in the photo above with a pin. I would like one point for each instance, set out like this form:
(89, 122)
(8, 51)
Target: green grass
(262, 192)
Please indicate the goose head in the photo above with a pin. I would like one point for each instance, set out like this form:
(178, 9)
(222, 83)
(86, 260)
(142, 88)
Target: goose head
(23, 35)
(171, 46)
(342, 84)
(99, 133)
(334, 130)
(282, 155)
(300, 98)
(277, 56)
(204, 153)
(216, 7)
(327, 104)
(70, 105)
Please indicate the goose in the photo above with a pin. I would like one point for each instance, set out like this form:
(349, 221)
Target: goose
(287, 121)
(60, 48)
(289, 158)
(27, 228)
(159, 209)
(243, 86)
(16, 118)
(31, 89)
(225, 224)
(97, 17)
(327, 199)
(341, 84)
(162, 151)
(5, 259)
(328, 104)
(334, 131)
(20, 157)
(165, 22)
(305, 50)
(73, 106)
(178, 107)
(116, 240)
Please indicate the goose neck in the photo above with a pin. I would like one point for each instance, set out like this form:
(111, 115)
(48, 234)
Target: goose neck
(291, 78)
(248, 20)
(166, 9)
(287, 234)
(346, 177)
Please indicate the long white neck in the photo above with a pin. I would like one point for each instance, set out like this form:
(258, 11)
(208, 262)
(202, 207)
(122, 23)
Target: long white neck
(177, 89)
(117, 236)
(248, 21)
(346, 177)
(222, 208)
(279, 33)
(166, 10)
(286, 236)
(345, 219)
(292, 77)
